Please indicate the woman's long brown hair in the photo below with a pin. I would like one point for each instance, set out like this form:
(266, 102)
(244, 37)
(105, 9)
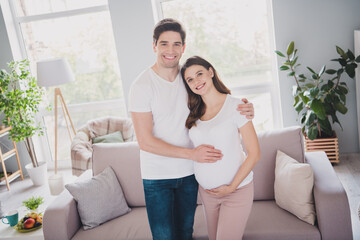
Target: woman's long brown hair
(195, 103)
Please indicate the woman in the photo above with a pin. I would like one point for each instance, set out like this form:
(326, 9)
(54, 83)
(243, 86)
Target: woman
(226, 186)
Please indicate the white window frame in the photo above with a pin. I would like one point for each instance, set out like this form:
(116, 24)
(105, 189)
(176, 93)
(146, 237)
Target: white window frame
(17, 44)
(268, 87)
(19, 49)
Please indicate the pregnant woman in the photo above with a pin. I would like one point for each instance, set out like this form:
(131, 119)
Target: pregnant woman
(226, 186)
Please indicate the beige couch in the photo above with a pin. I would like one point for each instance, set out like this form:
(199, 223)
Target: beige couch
(267, 220)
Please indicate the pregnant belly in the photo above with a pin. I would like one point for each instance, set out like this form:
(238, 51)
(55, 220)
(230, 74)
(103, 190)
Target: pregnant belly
(212, 175)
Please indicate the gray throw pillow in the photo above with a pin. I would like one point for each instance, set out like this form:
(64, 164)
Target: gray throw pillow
(99, 199)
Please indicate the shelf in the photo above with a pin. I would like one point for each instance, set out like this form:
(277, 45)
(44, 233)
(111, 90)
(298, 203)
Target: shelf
(3, 157)
(9, 154)
(11, 177)
(4, 132)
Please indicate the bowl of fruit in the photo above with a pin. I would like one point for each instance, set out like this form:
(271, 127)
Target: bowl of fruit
(30, 222)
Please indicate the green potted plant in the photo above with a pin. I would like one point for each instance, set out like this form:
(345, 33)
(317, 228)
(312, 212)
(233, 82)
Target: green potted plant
(318, 97)
(20, 99)
(33, 203)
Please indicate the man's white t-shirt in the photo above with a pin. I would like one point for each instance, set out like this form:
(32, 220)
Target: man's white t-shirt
(222, 132)
(168, 103)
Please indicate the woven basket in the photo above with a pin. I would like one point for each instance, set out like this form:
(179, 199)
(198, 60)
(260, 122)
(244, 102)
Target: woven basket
(329, 145)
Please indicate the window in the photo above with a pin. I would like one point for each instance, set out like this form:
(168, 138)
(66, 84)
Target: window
(81, 31)
(235, 37)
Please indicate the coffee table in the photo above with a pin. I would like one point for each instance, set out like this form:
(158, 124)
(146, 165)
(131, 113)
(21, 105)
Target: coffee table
(9, 233)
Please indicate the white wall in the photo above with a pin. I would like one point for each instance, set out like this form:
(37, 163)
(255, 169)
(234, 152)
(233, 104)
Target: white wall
(5, 51)
(133, 23)
(317, 26)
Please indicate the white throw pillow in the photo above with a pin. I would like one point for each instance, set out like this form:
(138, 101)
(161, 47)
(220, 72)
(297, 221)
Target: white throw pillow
(293, 187)
(99, 199)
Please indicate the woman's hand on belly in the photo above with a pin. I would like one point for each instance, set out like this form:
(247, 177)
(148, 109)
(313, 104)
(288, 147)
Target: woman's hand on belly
(221, 191)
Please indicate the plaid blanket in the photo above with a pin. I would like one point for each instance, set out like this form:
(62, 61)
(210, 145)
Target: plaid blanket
(81, 146)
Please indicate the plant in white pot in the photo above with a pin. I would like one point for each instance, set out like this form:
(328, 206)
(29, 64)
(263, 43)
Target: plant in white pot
(20, 99)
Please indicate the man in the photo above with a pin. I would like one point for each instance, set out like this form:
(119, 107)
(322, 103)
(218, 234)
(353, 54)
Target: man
(158, 106)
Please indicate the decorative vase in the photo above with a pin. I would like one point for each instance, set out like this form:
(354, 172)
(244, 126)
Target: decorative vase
(56, 184)
(329, 145)
(37, 175)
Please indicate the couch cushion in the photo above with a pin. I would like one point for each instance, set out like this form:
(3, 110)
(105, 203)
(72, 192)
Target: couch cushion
(269, 221)
(293, 187)
(288, 140)
(266, 221)
(124, 158)
(109, 138)
(134, 225)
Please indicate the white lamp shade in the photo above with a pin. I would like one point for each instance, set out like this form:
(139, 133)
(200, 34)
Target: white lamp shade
(53, 72)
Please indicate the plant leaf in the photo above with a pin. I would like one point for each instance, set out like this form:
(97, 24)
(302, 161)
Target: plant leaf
(343, 98)
(303, 119)
(325, 126)
(318, 108)
(341, 107)
(302, 76)
(291, 74)
(310, 118)
(343, 89)
(294, 61)
(299, 106)
(350, 70)
(314, 92)
(279, 53)
(350, 55)
(304, 98)
(322, 70)
(290, 48)
(295, 90)
(340, 71)
(341, 52)
(310, 69)
(296, 100)
(342, 62)
(284, 68)
(330, 71)
(312, 132)
(310, 85)
(357, 59)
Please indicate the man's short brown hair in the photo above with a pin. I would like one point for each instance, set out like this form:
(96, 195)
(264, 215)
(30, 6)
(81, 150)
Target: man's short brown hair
(168, 24)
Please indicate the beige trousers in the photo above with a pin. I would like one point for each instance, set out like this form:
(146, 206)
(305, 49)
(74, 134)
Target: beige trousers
(226, 217)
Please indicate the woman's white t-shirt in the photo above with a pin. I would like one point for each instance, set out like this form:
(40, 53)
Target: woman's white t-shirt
(222, 132)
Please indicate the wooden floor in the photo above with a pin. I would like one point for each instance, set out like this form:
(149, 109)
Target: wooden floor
(348, 171)
(22, 190)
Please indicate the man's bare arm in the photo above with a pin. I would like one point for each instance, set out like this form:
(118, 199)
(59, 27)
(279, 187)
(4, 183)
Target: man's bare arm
(143, 125)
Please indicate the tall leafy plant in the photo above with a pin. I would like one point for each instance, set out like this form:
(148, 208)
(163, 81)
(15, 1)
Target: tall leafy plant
(20, 99)
(320, 95)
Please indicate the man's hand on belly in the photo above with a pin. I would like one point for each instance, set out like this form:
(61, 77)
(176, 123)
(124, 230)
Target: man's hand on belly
(206, 154)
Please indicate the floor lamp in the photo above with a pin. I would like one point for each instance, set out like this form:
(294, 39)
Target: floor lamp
(54, 72)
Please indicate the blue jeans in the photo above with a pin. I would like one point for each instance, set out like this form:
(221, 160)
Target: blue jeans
(170, 205)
